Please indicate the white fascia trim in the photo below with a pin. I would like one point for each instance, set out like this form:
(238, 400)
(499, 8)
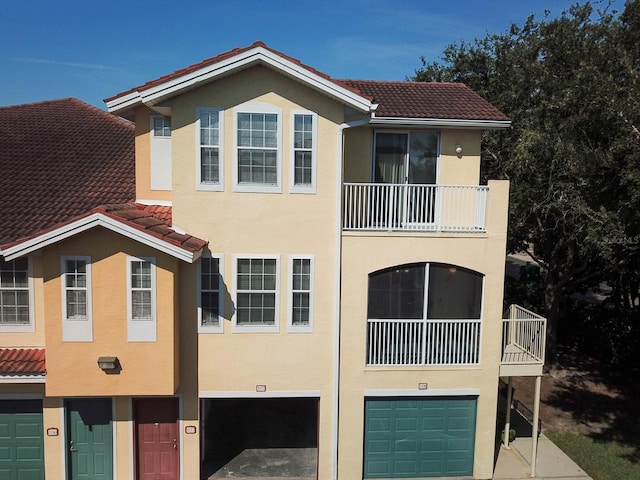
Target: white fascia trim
(435, 392)
(98, 220)
(255, 55)
(122, 103)
(267, 394)
(17, 379)
(441, 122)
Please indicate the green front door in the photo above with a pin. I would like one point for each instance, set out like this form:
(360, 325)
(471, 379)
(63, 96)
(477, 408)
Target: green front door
(419, 437)
(21, 440)
(89, 439)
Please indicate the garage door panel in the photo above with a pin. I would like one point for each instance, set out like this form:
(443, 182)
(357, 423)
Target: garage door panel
(421, 437)
(21, 440)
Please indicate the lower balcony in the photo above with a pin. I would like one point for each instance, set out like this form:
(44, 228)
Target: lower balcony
(433, 342)
(523, 343)
(413, 207)
(423, 342)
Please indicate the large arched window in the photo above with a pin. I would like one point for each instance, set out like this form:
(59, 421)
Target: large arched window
(424, 313)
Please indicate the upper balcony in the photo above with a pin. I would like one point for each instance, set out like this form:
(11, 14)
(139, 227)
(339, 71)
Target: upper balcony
(523, 343)
(415, 207)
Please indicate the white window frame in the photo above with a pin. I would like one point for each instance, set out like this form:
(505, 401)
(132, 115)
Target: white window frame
(23, 327)
(164, 126)
(256, 328)
(76, 329)
(200, 184)
(259, 108)
(302, 188)
(141, 330)
(211, 328)
(308, 328)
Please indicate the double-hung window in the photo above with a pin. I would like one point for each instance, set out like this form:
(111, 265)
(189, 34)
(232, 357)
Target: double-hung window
(209, 295)
(141, 301)
(15, 299)
(303, 172)
(76, 299)
(258, 144)
(210, 172)
(257, 280)
(301, 294)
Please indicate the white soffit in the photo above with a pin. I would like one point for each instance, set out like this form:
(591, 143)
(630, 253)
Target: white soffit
(97, 220)
(241, 60)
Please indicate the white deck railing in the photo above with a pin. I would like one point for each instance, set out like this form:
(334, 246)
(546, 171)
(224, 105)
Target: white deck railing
(408, 207)
(423, 342)
(523, 337)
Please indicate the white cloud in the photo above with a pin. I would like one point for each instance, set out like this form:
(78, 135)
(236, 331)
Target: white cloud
(87, 66)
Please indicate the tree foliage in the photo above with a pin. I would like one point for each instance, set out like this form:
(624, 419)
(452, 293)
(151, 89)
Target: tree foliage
(570, 85)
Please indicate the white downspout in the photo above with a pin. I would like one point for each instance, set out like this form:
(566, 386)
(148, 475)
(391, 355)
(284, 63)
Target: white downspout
(338, 288)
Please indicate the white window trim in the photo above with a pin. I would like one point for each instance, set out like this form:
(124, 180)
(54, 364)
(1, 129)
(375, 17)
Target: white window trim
(290, 326)
(256, 328)
(31, 326)
(210, 186)
(76, 329)
(211, 328)
(257, 107)
(142, 330)
(293, 188)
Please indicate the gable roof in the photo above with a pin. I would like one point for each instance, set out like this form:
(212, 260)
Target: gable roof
(413, 100)
(59, 159)
(21, 362)
(156, 91)
(436, 104)
(150, 225)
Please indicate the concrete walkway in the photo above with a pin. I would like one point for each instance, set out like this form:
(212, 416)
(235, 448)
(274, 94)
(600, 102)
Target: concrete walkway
(553, 463)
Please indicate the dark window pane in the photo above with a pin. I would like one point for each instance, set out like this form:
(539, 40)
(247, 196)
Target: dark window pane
(397, 292)
(454, 292)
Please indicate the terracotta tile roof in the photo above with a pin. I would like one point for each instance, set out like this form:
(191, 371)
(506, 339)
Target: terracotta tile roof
(154, 220)
(427, 100)
(151, 219)
(59, 159)
(22, 361)
(218, 58)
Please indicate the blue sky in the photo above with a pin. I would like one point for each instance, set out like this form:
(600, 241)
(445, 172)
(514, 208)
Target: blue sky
(94, 49)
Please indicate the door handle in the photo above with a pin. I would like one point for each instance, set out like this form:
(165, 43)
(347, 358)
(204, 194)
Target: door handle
(175, 443)
(71, 447)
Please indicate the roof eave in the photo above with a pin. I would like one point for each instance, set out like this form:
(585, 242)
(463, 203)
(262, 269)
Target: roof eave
(257, 55)
(35, 378)
(442, 122)
(98, 220)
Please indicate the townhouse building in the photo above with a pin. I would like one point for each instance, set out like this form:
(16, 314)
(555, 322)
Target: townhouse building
(297, 276)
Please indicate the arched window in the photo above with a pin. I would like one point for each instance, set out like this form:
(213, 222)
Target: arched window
(424, 313)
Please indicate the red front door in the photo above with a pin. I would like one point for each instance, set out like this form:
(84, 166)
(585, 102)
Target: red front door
(157, 447)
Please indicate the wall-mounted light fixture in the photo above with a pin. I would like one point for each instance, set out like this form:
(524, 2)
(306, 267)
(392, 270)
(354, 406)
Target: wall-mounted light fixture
(459, 149)
(108, 363)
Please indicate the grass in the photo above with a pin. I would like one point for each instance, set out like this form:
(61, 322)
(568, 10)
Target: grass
(601, 460)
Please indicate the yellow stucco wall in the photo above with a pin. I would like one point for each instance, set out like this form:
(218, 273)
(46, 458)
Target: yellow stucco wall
(483, 253)
(148, 368)
(143, 160)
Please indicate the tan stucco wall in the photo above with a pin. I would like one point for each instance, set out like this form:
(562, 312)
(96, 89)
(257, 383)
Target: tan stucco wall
(483, 253)
(143, 159)
(453, 169)
(236, 223)
(148, 368)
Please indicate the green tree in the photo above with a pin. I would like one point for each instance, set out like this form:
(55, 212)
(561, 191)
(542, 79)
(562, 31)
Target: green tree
(570, 86)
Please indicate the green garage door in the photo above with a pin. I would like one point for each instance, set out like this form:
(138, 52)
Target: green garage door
(419, 437)
(21, 440)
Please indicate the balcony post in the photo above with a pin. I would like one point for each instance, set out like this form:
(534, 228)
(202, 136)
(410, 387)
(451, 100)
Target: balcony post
(534, 434)
(507, 424)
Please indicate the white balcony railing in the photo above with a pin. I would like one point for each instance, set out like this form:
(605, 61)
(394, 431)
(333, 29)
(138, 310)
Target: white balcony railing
(523, 337)
(423, 342)
(410, 207)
